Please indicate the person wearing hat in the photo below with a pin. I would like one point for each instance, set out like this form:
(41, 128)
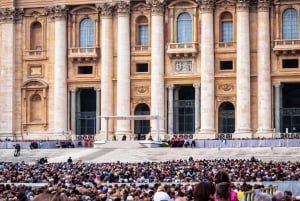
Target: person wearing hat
(161, 196)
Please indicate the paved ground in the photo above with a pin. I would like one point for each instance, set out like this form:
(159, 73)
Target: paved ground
(151, 154)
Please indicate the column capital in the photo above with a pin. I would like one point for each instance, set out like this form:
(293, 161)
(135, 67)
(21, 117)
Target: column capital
(206, 5)
(97, 88)
(106, 9)
(57, 12)
(123, 8)
(276, 84)
(263, 5)
(10, 15)
(157, 6)
(170, 86)
(196, 85)
(242, 5)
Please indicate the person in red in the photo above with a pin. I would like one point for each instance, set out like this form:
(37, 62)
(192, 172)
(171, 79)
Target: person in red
(224, 192)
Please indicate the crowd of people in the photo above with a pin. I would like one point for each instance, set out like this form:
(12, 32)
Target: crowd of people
(131, 181)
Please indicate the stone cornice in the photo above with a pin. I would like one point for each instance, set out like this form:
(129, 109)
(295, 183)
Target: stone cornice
(242, 5)
(123, 8)
(263, 5)
(106, 9)
(206, 5)
(57, 12)
(157, 6)
(10, 15)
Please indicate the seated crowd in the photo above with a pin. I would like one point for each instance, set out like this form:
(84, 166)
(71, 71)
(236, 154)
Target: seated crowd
(118, 180)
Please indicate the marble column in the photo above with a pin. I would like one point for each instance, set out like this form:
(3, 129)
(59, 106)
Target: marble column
(263, 69)
(123, 72)
(98, 110)
(277, 105)
(243, 71)
(106, 66)
(157, 67)
(60, 101)
(73, 110)
(207, 70)
(7, 69)
(197, 106)
(170, 108)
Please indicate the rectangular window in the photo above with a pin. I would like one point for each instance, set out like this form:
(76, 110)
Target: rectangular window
(226, 31)
(142, 68)
(85, 70)
(290, 63)
(143, 35)
(226, 65)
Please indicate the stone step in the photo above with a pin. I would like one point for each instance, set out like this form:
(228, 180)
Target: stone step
(117, 144)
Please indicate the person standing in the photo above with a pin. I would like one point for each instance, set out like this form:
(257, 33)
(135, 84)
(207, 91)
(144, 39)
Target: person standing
(17, 150)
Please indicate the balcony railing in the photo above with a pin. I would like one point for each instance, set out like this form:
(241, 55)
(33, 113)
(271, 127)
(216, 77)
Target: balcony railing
(226, 45)
(34, 54)
(187, 49)
(83, 52)
(142, 48)
(286, 45)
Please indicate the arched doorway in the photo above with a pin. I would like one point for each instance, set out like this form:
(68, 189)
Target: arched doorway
(142, 126)
(184, 110)
(290, 112)
(226, 118)
(86, 112)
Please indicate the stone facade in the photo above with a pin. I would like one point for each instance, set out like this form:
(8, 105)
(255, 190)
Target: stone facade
(144, 57)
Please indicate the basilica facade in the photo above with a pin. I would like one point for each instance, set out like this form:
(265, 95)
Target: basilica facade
(200, 68)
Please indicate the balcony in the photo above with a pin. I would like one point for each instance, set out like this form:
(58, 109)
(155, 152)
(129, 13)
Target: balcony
(286, 46)
(226, 47)
(182, 49)
(81, 54)
(34, 54)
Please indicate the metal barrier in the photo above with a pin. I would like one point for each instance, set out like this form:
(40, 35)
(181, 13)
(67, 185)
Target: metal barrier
(249, 195)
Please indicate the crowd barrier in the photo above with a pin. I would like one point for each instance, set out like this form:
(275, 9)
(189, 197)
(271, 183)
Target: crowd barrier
(234, 143)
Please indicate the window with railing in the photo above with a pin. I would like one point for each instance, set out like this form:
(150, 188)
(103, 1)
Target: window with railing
(86, 33)
(290, 24)
(226, 27)
(142, 33)
(184, 28)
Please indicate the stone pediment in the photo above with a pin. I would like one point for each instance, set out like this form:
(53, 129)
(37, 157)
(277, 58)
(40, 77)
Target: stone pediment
(225, 3)
(84, 10)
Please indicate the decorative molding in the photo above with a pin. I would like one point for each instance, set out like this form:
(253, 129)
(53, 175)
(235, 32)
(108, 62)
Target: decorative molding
(141, 90)
(226, 99)
(183, 66)
(106, 9)
(226, 87)
(157, 6)
(263, 5)
(225, 4)
(57, 12)
(207, 5)
(11, 15)
(242, 5)
(123, 8)
(141, 9)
